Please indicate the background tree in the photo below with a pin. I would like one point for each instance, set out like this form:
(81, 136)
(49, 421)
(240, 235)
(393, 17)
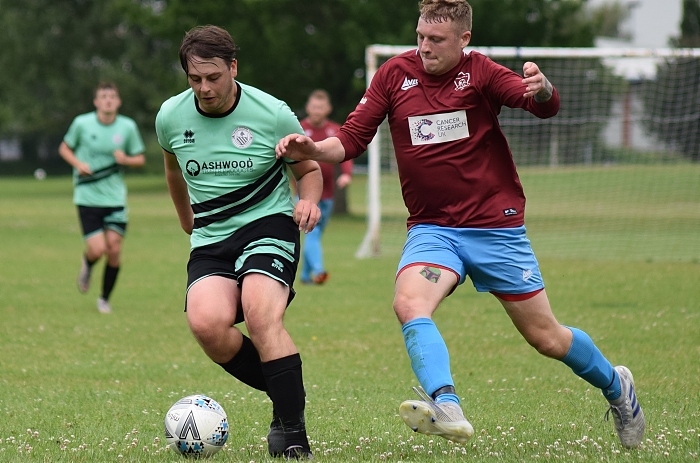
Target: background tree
(55, 52)
(690, 24)
(681, 94)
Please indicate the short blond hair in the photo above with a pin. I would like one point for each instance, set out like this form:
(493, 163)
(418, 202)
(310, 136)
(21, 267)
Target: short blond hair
(459, 11)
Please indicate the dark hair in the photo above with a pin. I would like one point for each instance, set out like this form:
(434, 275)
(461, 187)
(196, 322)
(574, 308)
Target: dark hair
(106, 85)
(207, 42)
(319, 94)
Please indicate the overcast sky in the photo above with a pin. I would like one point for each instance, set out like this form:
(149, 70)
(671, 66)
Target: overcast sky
(652, 22)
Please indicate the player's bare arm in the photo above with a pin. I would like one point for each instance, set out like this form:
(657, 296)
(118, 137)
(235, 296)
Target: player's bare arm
(310, 185)
(178, 192)
(537, 84)
(125, 160)
(69, 156)
(300, 148)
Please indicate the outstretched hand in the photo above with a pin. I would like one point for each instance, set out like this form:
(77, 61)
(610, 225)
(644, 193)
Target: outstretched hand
(296, 147)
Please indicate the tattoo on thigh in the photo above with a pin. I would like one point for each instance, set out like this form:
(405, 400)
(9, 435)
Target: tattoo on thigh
(432, 274)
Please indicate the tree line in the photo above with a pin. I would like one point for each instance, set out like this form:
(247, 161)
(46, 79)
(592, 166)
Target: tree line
(55, 51)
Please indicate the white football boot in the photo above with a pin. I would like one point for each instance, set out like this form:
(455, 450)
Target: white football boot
(626, 411)
(436, 419)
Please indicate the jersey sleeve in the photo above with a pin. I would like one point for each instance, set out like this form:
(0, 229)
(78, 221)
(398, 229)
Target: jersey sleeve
(346, 167)
(163, 140)
(361, 125)
(287, 123)
(135, 145)
(507, 88)
(73, 135)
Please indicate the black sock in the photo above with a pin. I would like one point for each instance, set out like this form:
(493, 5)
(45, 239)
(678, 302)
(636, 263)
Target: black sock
(245, 366)
(89, 262)
(108, 281)
(286, 389)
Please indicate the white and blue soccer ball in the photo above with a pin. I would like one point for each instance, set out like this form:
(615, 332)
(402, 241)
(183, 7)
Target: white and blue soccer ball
(196, 426)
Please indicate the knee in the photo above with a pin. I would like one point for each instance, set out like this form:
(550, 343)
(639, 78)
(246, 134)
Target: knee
(405, 309)
(207, 332)
(552, 344)
(546, 347)
(94, 252)
(263, 327)
(113, 250)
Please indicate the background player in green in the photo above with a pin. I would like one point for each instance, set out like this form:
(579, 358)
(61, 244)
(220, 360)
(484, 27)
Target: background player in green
(97, 145)
(233, 196)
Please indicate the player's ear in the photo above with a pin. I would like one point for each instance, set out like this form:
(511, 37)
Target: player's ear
(234, 68)
(466, 37)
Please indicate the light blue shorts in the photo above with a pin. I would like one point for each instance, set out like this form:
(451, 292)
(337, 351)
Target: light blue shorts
(499, 260)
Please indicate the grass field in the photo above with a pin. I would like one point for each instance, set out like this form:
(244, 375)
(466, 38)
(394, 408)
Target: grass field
(635, 212)
(77, 385)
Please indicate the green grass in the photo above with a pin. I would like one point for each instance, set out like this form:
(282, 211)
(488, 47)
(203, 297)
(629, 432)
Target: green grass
(633, 213)
(77, 385)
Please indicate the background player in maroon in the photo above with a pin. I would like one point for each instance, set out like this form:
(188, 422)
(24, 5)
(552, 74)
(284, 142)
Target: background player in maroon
(318, 127)
(466, 207)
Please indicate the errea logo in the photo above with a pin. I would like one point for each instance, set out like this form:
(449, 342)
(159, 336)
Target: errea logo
(277, 265)
(189, 136)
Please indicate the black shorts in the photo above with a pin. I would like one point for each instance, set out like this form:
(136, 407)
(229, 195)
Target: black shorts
(269, 246)
(95, 220)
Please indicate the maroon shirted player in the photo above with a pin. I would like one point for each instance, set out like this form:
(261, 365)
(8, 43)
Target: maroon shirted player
(455, 166)
(466, 208)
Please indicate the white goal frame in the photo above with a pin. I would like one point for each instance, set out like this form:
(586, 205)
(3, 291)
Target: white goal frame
(370, 246)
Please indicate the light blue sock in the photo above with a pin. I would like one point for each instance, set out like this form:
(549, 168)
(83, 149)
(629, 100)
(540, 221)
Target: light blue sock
(430, 359)
(586, 360)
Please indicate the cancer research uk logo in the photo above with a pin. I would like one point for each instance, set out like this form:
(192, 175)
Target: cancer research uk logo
(438, 128)
(418, 132)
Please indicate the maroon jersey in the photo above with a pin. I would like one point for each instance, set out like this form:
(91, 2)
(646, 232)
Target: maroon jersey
(328, 129)
(455, 166)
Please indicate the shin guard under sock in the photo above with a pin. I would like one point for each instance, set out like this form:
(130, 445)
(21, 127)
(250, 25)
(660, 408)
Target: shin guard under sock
(245, 366)
(286, 390)
(586, 360)
(108, 281)
(430, 359)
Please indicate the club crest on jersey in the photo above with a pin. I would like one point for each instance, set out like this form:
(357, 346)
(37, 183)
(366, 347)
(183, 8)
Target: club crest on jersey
(462, 81)
(117, 139)
(242, 137)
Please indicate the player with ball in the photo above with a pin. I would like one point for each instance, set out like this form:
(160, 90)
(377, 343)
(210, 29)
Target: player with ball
(233, 197)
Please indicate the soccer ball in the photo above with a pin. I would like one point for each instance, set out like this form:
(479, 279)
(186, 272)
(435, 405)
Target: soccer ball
(196, 426)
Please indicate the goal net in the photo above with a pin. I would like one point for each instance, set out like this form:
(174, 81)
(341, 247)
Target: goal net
(615, 175)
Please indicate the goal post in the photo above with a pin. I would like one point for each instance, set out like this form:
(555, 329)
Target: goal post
(628, 115)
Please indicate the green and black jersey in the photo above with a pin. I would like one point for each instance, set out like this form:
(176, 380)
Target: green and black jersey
(94, 143)
(228, 160)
